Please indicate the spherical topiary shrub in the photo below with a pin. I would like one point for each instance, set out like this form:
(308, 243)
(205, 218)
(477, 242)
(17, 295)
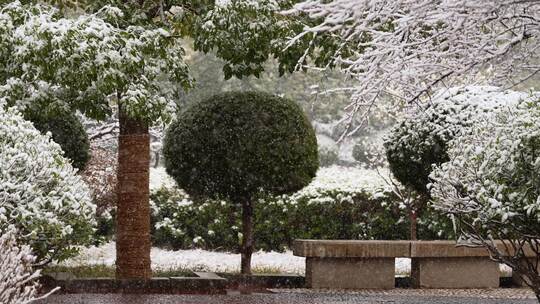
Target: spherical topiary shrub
(66, 130)
(235, 145)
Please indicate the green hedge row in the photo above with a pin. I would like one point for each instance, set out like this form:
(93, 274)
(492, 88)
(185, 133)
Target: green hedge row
(180, 223)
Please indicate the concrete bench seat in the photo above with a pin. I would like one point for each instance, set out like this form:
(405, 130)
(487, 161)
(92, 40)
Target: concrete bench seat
(352, 264)
(440, 264)
(344, 264)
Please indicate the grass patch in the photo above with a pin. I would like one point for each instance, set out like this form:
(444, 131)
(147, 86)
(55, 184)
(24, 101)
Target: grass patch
(266, 270)
(105, 271)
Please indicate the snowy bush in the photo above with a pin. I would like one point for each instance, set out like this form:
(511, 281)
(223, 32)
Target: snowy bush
(491, 185)
(18, 281)
(40, 193)
(421, 140)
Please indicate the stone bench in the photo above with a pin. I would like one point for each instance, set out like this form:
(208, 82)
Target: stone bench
(440, 264)
(347, 264)
(350, 264)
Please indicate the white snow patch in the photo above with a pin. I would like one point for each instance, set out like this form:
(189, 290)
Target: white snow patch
(351, 179)
(203, 260)
(159, 178)
(484, 96)
(195, 259)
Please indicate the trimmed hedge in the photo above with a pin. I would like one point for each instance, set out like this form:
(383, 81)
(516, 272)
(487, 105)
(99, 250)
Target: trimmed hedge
(180, 223)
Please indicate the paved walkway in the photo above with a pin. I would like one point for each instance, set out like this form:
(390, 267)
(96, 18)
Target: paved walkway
(303, 296)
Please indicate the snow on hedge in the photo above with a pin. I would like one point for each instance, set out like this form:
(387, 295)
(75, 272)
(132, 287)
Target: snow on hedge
(348, 179)
(450, 111)
(339, 178)
(40, 193)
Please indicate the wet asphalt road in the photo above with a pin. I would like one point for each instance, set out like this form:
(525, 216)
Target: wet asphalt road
(285, 298)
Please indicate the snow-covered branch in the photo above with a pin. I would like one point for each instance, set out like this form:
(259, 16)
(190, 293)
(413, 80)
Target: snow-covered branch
(413, 47)
(18, 282)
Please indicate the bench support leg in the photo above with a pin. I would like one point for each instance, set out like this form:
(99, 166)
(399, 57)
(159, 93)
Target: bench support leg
(462, 272)
(350, 273)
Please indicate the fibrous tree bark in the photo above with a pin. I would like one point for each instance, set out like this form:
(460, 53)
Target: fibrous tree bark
(133, 210)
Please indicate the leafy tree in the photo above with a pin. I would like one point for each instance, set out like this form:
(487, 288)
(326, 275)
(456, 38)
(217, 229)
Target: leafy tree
(92, 65)
(235, 145)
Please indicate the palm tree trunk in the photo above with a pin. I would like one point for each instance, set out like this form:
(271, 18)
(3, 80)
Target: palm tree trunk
(133, 208)
(247, 239)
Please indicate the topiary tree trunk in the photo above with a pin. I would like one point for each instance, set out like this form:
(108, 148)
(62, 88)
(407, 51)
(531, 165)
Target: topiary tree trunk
(414, 225)
(247, 237)
(133, 209)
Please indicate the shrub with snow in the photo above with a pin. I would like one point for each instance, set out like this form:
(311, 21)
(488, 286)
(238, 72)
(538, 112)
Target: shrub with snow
(421, 139)
(491, 185)
(18, 283)
(40, 193)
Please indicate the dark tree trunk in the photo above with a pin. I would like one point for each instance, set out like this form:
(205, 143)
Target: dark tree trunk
(414, 225)
(247, 235)
(133, 208)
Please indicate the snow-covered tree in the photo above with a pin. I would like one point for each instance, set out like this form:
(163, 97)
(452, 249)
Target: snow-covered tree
(91, 62)
(18, 281)
(491, 187)
(421, 139)
(40, 193)
(411, 48)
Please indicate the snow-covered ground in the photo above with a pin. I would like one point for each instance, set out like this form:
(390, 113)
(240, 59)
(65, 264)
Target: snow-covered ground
(203, 260)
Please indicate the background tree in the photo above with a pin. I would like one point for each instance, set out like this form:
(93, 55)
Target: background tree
(237, 145)
(66, 130)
